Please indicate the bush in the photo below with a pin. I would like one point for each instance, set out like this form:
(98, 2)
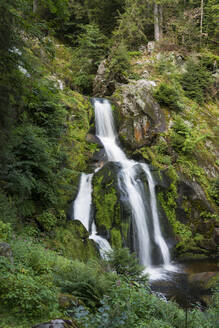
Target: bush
(88, 55)
(27, 295)
(126, 264)
(118, 63)
(5, 231)
(196, 80)
(168, 95)
(87, 282)
(47, 220)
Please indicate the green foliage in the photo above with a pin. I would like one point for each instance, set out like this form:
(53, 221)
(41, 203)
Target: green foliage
(47, 220)
(118, 63)
(196, 81)
(27, 295)
(87, 282)
(130, 306)
(125, 264)
(5, 231)
(131, 24)
(168, 95)
(214, 190)
(87, 56)
(26, 285)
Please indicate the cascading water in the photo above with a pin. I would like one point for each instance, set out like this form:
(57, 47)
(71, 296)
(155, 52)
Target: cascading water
(134, 190)
(144, 211)
(82, 210)
(82, 204)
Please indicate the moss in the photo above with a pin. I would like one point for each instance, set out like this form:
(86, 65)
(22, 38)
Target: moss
(105, 199)
(72, 242)
(116, 239)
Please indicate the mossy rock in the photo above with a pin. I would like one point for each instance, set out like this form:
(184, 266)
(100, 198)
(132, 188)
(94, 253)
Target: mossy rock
(67, 301)
(106, 201)
(72, 241)
(111, 215)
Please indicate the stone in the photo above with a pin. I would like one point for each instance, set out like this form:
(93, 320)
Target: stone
(103, 86)
(5, 250)
(151, 46)
(57, 323)
(202, 278)
(140, 116)
(91, 138)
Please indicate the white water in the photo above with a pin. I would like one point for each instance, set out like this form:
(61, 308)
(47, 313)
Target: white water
(160, 241)
(103, 244)
(82, 203)
(82, 210)
(131, 187)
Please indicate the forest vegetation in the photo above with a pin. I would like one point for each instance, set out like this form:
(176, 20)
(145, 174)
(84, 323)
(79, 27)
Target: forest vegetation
(50, 51)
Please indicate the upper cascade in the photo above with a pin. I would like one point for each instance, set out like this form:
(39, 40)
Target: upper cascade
(133, 189)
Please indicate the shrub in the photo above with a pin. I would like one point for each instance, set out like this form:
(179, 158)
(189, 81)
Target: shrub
(47, 220)
(88, 55)
(5, 231)
(28, 295)
(196, 80)
(125, 264)
(87, 282)
(118, 63)
(168, 95)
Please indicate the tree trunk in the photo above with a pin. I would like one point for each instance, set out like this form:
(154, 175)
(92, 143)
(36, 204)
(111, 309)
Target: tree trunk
(35, 6)
(156, 23)
(160, 9)
(201, 19)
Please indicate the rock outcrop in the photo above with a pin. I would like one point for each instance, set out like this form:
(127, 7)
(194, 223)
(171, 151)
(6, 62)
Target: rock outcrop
(140, 116)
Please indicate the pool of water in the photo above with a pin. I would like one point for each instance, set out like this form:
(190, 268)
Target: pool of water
(179, 287)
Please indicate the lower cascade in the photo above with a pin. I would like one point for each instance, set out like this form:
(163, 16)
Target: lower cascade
(150, 244)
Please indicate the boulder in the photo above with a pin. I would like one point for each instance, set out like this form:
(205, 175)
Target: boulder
(5, 250)
(103, 86)
(57, 323)
(204, 279)
(140, 116)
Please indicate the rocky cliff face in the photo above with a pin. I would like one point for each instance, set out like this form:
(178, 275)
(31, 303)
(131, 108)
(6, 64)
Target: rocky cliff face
(182, 148)
(140, 116)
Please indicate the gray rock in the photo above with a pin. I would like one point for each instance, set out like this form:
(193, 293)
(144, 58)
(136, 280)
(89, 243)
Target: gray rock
(140, 116)
(151, 46)
(57, 323)
(5, 250)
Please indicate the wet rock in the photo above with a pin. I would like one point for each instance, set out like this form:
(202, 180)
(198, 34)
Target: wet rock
(5, 250)
(140, 116)
(191, 202)
(216, 236)
(91, 138)
(58, 323)
(203, 279)
(208, 244)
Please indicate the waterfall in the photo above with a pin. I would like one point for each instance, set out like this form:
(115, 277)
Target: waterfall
(82, 210)
(149, 238)
(134, 191)
(82, 203)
